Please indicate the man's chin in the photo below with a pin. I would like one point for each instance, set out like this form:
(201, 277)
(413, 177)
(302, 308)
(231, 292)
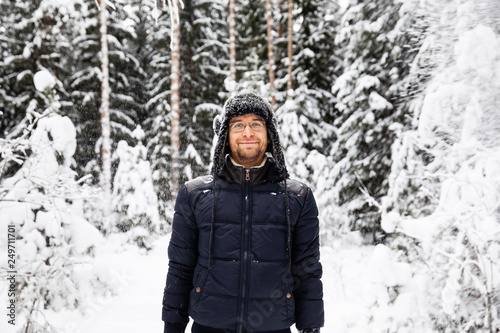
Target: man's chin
(245, 159)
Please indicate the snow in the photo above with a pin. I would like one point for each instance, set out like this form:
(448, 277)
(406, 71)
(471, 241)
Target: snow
(139, 280)
(44, 80)
(377, 102)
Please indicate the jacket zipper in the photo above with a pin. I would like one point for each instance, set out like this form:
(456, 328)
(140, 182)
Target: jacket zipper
(244, 261)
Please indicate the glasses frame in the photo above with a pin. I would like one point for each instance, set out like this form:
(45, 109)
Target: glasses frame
(245, 124)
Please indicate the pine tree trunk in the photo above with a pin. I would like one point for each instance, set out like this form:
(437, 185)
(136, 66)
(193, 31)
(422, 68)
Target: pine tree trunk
(270, 54)
(290, 50)
(232, 40)
(105, 119)
(175, 82)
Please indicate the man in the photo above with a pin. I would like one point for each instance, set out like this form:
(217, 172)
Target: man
(244, 251)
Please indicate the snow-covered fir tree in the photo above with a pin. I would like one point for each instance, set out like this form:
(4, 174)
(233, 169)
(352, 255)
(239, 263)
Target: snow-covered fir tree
(84, 87)
(134, 199)
(126, 77)
(36, 36)
(305, 119)
(251, 47)
(450, 235)
(370, 42)
(157, 125)
(43, 202)
(204, 62)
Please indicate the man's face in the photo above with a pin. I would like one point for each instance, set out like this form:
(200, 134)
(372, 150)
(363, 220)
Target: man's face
(248, 146)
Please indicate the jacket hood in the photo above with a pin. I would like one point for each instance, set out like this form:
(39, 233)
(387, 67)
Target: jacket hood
(240, 105)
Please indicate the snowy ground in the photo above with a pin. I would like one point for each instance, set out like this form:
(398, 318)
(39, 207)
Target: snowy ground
(140, 280)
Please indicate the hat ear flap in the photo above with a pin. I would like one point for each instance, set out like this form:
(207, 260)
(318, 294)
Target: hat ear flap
(217, 124)
(270, 140)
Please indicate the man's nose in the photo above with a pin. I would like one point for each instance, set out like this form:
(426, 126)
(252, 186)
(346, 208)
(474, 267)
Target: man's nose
(248, 131)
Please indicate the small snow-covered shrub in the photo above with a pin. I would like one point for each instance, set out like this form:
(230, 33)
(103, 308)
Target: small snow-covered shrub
(134, 199)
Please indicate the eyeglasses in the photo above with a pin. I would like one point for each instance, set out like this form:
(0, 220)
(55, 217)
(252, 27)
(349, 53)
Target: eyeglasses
(255, 125)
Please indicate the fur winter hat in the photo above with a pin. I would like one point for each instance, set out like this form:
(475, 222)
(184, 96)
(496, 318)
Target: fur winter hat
(240, 105)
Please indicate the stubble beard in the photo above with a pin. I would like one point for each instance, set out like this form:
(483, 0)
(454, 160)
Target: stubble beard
(247, 157)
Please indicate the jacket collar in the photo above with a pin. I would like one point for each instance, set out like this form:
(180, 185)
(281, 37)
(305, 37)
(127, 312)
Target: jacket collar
(258, 175)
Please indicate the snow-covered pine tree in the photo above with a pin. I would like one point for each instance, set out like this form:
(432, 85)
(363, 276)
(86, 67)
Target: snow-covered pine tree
(36, 35)
(304, 118)
(251, 47)
(370, 42)
(126, 74)
(412, 168)
(204, 66)
(84, 87)
(134, 199)
(142, 14)
(43, 202)
(157, 124)
(205, 61)
(314, 65)
(454, 246)
(17, 73)
(289, 81)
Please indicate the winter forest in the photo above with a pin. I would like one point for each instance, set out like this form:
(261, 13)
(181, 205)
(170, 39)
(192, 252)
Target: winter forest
(388, 109)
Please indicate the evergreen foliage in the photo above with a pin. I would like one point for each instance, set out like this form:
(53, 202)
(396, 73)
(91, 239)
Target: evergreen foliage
(204, 62)
(443, 202)
(134, 198)
(157, 125)
(126, 78)
(84, 85)
(36, 37)
(205, 59)
(370, 41)
(251, 46)
(42, 200)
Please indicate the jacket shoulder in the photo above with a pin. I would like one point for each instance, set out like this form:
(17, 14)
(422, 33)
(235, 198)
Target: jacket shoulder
(198, 182)
(297, 187)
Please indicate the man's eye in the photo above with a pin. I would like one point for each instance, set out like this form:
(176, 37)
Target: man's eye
(237, 125)
(257, 125)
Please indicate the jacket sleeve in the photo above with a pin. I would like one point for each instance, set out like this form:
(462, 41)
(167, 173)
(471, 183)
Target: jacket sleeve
(182, 254)
(306, 267)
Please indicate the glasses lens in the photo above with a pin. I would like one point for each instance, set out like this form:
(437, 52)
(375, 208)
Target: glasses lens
(237, 127)
(240, 126)
(257, 125)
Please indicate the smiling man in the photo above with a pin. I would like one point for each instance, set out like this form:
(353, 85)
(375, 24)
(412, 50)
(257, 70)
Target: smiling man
(244, 251)
(248, 140)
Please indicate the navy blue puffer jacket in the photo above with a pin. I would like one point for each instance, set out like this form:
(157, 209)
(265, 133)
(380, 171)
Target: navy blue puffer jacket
(230, 264)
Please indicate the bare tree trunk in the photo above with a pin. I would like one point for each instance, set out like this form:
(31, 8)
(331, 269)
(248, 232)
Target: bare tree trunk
(270, 54)
(105, 122)
(290, 50)
(232, 40)
(175, 82)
